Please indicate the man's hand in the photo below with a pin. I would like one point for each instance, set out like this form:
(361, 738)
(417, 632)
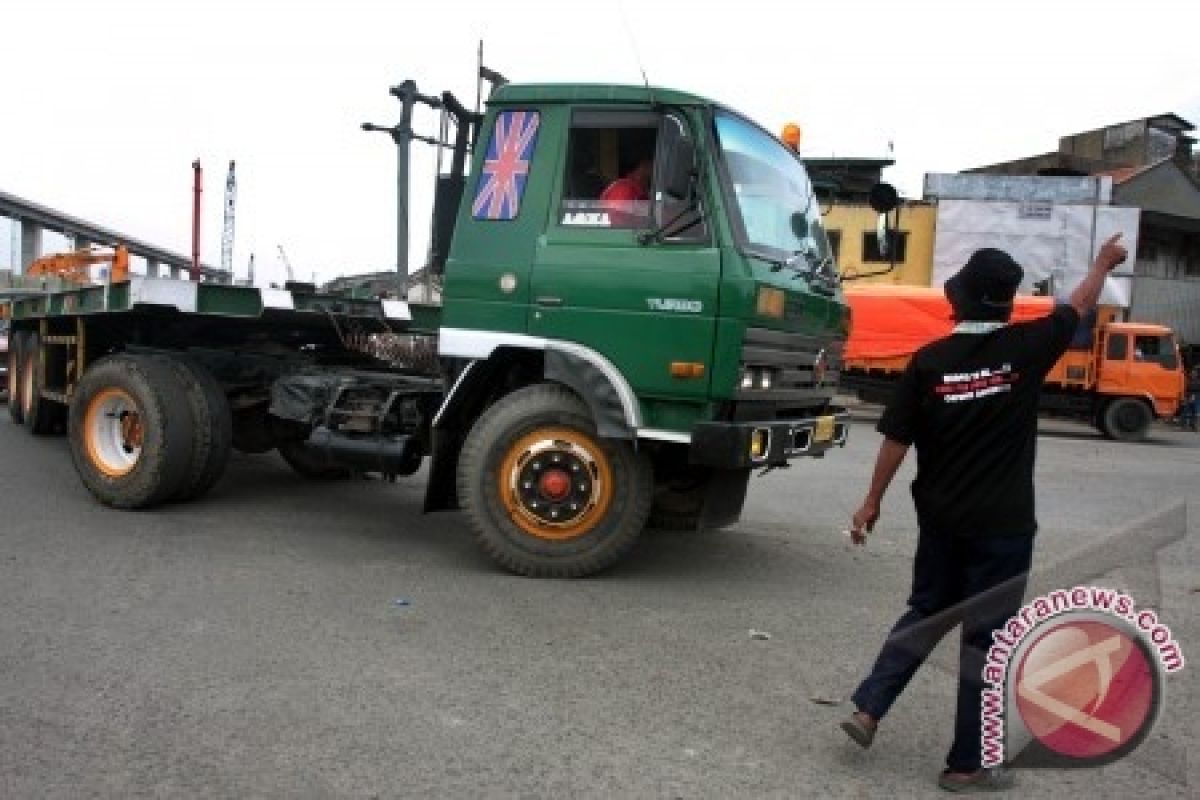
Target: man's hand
(1085, 295)
(863, 521)
(1111, 254)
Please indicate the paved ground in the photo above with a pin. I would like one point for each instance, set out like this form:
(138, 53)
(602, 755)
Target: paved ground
(291, 639)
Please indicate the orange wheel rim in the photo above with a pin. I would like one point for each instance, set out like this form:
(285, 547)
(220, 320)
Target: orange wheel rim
(113, 432)
(556, 483)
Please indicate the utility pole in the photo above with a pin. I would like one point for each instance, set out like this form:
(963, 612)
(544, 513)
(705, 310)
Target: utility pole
(197, 183)
(402, 134)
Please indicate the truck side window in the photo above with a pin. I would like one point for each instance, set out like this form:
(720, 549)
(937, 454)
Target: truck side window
(681, 222)
(897, 241)
(610, 169)
(1118, 347)
(1158, 349)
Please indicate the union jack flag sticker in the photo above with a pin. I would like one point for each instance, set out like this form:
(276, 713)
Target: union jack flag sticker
(506, 166)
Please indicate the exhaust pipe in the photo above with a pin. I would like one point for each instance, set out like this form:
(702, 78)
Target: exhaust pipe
(391, 455)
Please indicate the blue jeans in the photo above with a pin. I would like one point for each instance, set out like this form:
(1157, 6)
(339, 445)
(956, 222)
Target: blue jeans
(978, 582)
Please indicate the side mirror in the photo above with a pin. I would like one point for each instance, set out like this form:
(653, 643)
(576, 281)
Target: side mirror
(799, 225)
(883, 198)
(679, 161)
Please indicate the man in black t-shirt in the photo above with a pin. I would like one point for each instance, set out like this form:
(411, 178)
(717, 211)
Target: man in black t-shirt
(968, 402)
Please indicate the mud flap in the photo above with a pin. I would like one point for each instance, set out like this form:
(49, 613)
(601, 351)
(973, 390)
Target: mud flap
(441, 491)
(724, 498)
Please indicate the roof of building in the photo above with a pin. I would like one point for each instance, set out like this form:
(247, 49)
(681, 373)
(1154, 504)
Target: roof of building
(1122, 174)
(1169, 122)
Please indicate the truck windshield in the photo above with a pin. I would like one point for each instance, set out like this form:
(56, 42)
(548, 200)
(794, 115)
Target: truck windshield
(770, 185)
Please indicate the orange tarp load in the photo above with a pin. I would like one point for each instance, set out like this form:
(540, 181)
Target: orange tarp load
(892, 322)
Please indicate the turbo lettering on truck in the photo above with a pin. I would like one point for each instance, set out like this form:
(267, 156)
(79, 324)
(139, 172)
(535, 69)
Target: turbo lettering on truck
(675, 304)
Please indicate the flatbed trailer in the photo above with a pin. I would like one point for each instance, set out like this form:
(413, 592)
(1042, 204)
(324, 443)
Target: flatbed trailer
(210, 361)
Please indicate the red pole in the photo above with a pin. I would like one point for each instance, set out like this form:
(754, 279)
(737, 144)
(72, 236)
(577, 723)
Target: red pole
(197, 182)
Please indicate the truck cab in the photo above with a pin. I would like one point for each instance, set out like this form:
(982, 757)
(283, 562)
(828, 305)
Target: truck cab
(1141, 360)
(660, 257)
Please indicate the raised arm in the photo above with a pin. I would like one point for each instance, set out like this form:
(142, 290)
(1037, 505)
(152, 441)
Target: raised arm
(1087, 293)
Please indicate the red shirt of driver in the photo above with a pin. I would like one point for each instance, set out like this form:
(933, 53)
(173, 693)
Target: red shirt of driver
(620, 199)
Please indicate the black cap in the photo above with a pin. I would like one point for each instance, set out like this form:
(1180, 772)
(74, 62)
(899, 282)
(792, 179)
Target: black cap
(984, 288)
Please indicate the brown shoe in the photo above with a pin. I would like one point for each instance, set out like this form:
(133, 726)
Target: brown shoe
(861, 728)
(996, 779)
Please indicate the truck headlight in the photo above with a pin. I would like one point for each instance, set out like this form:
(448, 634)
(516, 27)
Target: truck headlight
(747, 381)
(766, 378)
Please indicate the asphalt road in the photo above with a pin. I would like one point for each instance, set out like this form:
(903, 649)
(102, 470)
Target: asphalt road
(284, 638)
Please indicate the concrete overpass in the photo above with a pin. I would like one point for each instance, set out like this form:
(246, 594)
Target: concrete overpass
(34, 219)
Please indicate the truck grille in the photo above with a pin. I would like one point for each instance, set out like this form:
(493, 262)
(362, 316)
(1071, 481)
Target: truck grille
(804, 369)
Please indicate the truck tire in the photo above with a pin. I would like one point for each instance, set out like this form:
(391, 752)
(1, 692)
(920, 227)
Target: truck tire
(678, 502)
(1126, 419)
(131, 431)
(519, 486)
(41, 416)
(16, 359)
(212, 432)
(306, 461)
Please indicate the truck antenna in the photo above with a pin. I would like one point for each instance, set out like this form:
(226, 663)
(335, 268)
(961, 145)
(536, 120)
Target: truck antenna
(637, 54)
(479, 77)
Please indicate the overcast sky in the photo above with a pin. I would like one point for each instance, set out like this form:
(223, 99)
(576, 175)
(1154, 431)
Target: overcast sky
(107, 102)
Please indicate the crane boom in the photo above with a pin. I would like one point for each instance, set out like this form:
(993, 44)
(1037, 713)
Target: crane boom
(74, 266)
(286, 264)
(227, 229)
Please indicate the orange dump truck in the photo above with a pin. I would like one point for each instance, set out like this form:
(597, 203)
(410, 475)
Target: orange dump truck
(1117, 376)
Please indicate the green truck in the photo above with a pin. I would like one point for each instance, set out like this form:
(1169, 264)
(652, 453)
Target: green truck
(639, 307)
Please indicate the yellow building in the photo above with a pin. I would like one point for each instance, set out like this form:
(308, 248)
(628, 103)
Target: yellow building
(852, 232)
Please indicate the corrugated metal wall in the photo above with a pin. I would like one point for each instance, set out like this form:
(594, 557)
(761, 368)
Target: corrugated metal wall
(1168, 302)
(1046, 240)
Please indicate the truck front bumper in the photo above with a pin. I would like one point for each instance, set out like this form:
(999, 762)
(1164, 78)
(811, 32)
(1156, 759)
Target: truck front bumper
(746, 445)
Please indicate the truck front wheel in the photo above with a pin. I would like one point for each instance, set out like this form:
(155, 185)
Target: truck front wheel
(1126, 419)
(545, 496)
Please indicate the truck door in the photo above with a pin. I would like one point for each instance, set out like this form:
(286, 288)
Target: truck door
(1114, 364)
(1155, 370)
(600, 281)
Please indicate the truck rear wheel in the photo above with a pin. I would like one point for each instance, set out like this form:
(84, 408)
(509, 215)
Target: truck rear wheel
(545, 496)
(41, 416)
(1126, 419)
(212, 432)
(16, 359)
(131, 431)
